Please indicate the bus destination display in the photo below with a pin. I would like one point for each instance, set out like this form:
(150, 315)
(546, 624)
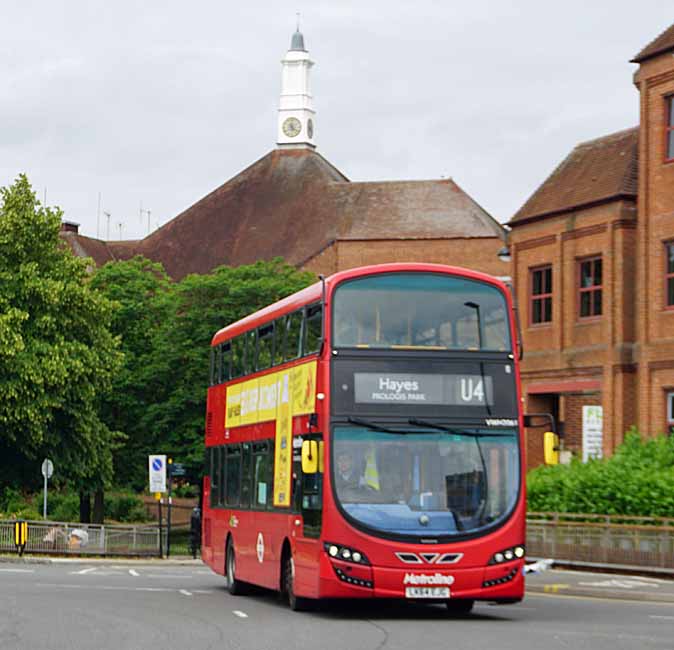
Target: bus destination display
(435, 389)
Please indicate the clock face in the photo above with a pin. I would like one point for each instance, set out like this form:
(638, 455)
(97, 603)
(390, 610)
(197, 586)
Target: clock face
(292, 127)
(310, 128)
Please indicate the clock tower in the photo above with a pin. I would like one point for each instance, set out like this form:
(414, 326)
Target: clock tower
(296, 115)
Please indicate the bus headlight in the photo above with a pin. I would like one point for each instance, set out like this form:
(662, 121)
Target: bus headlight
(345, 553)
(508, 554)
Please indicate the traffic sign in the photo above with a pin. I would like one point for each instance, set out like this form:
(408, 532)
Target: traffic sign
(47, 468)
(157, 467)
(177, 469)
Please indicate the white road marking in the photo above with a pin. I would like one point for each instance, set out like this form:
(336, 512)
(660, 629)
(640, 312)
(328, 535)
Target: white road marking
(18, 570)
(117, 588)
(83, 571)
(134, 573)
(203, 591)
(620, 584)
(240, 614)
(171, 576)
(666, 618)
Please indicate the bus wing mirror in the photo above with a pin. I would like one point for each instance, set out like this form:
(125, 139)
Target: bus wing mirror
(309, 457)
(530, 422)
(550, 448)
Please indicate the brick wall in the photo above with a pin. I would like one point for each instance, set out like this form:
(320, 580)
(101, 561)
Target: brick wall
(631, 347)
(655, 323)
(478, 254)
(573, 419)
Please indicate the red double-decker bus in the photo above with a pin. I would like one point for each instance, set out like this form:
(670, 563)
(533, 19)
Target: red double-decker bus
(364, 439)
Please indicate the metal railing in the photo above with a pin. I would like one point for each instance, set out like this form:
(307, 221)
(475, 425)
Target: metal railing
(603, 539)
(84, 539)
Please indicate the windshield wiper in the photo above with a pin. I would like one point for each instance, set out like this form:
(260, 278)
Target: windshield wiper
(459, 432)
(371, 425)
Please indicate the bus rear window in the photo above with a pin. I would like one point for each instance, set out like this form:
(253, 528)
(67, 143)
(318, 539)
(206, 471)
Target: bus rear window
(420, 310)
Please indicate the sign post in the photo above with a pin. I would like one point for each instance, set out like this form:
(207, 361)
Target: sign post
(20, 536)
(157, 469)
(47, 471)
(168, 516)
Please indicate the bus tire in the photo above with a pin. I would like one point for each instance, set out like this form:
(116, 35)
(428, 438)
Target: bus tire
(460, 607)
(296, 603)
(234, 586)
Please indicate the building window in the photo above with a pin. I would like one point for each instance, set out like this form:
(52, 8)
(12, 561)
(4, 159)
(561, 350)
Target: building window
(669, 275)
(541, 295)
(670, 412)
(669, 128)
(590, 287)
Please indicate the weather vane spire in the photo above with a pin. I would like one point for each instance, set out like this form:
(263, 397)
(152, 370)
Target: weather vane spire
(298, 21)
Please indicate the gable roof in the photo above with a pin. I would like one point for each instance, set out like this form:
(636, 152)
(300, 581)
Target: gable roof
(410, 210)
(659, 45)
(594, 172)
(293, 203)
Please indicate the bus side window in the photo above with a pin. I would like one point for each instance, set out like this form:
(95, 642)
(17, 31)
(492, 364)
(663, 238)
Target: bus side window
(262, 474)
(237, 356)
(212, 367)
(245, 475)
(293, 335)
(226, 362)
(313, 329)
(233, 465)
(251, 352)
(265, 343)
(215, 476)
(279, 340)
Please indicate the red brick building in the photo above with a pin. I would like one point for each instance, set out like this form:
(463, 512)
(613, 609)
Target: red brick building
(593, 265)
(295, 204)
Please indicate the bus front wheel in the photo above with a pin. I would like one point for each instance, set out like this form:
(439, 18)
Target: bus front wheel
(296, 603)
(234, 586)
(460, 607)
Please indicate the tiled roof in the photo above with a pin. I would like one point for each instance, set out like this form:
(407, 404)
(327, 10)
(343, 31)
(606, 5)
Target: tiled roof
(410, 210)
(292, 203)
(594, 172)
(88, 247)
(659, 45)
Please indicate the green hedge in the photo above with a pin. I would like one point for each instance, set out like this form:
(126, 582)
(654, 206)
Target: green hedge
(637, 480)
(124, 507)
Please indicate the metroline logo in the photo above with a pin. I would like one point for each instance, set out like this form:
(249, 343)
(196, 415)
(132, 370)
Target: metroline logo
(425, 579)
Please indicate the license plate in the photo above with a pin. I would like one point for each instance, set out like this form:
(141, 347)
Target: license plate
(426, 592)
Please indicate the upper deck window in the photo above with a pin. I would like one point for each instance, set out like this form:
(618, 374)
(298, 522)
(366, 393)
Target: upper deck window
(420, 310)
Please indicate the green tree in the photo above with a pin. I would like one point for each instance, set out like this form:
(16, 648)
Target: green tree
(143, 296)
(57, 354)
(180, 371)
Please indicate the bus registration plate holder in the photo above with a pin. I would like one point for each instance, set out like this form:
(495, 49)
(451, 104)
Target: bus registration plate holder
(426, 592)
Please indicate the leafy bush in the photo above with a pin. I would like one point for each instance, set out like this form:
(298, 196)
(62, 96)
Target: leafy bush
(14, 505)
(125, 507)
(63, 506)
(637, 480)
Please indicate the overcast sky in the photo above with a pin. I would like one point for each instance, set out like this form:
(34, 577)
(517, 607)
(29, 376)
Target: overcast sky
(162, 102)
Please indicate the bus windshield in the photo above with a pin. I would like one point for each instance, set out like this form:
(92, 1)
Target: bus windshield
(420, 310)
(425, 483)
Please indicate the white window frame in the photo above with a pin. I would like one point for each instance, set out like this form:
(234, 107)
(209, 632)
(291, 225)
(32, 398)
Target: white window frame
(669, 396)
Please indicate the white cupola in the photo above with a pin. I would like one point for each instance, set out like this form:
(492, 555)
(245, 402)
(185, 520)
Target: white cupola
(296, 115)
